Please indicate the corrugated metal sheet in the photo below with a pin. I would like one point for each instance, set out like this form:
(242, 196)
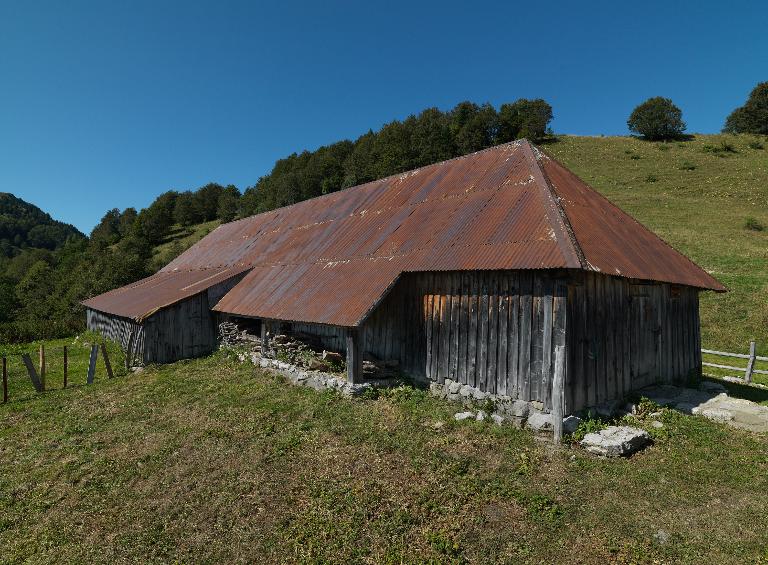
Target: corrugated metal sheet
(612, 241)
(330, 259)
(141, 299)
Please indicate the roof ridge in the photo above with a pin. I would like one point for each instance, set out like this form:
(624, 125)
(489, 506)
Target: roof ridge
(498, 147)
(558, 220)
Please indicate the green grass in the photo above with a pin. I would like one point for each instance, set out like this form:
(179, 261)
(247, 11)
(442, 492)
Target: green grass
(211, 461)
(20, 388)
(704, 193)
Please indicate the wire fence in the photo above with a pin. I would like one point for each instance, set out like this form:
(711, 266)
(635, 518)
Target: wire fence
(36, 368)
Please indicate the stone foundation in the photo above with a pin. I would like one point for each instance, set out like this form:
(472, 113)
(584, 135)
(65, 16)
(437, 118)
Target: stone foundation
(518, 412)
(318, 380)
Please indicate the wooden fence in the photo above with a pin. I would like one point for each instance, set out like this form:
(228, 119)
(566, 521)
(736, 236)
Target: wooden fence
(37, 373)
(747, 371)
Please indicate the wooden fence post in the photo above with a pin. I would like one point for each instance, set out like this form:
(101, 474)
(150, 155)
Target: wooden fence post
(558, 395)
(65, 366)
(751, 362)
(107, 364)
(5, 380)
(92, 363)
(42, 365)
(32, 372)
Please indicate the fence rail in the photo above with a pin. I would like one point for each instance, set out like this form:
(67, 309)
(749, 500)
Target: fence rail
(37, 374)
(751, 358)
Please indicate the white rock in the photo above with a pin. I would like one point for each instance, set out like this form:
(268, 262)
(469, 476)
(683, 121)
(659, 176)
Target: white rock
(716, 414)
(656, 424)
(454, 387)
(459, 416)
(497, 418)
(481, 415)
(616, 441)
(539, 422)
(465, 391)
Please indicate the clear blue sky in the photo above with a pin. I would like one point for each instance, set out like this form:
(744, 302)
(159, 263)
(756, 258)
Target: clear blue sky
(107, 104)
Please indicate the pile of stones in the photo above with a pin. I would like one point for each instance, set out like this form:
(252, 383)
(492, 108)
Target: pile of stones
(231, 335)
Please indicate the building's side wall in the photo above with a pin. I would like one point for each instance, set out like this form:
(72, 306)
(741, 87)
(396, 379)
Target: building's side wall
(494, 330)
(624, 335)
(184, 330)
(128, 333)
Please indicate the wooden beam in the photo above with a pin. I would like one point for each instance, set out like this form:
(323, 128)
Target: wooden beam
(92, 364)
(32, 372)
(107, 364)
(264, 338)
(558, 396)
(354, 357)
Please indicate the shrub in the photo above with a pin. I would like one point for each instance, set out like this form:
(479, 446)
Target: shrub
(588, 426)
(663, 147)
(651, 178)
(724, 147)
(752, 117)
(657, 118)
(687, 166)
(753, 224)
(755, 144)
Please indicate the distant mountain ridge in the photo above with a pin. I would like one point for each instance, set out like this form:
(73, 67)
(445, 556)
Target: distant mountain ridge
(24, 225)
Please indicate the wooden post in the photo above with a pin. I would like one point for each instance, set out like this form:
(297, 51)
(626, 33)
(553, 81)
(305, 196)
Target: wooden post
(107, 364)
(5, 380)
(751, 362)
(65, 367)
(354, 357)
(32, 372)
(264, 338)
(42, 365)
(558, 381)
(92, 363)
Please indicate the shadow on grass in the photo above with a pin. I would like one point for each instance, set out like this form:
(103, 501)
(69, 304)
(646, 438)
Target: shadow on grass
(747, 392)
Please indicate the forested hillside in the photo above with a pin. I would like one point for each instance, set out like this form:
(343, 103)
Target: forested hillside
(24, 226)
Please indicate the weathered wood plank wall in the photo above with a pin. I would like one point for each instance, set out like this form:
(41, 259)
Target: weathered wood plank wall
(495, 330)
(184, 330)
(624, 335)
(498, 331)
(128, 333)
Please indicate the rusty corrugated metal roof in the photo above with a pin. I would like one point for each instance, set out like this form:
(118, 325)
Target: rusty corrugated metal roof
(143, 298)
(330, 259)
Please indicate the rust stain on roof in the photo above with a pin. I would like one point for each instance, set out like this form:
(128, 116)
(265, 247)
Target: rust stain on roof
(330, 259)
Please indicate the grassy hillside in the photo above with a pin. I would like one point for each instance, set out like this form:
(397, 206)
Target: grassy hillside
(179, 240)
(209, 461)
(697, 195)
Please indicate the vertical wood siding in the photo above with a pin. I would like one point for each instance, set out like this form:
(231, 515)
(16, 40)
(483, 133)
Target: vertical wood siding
(184, 330)
(624, 335)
